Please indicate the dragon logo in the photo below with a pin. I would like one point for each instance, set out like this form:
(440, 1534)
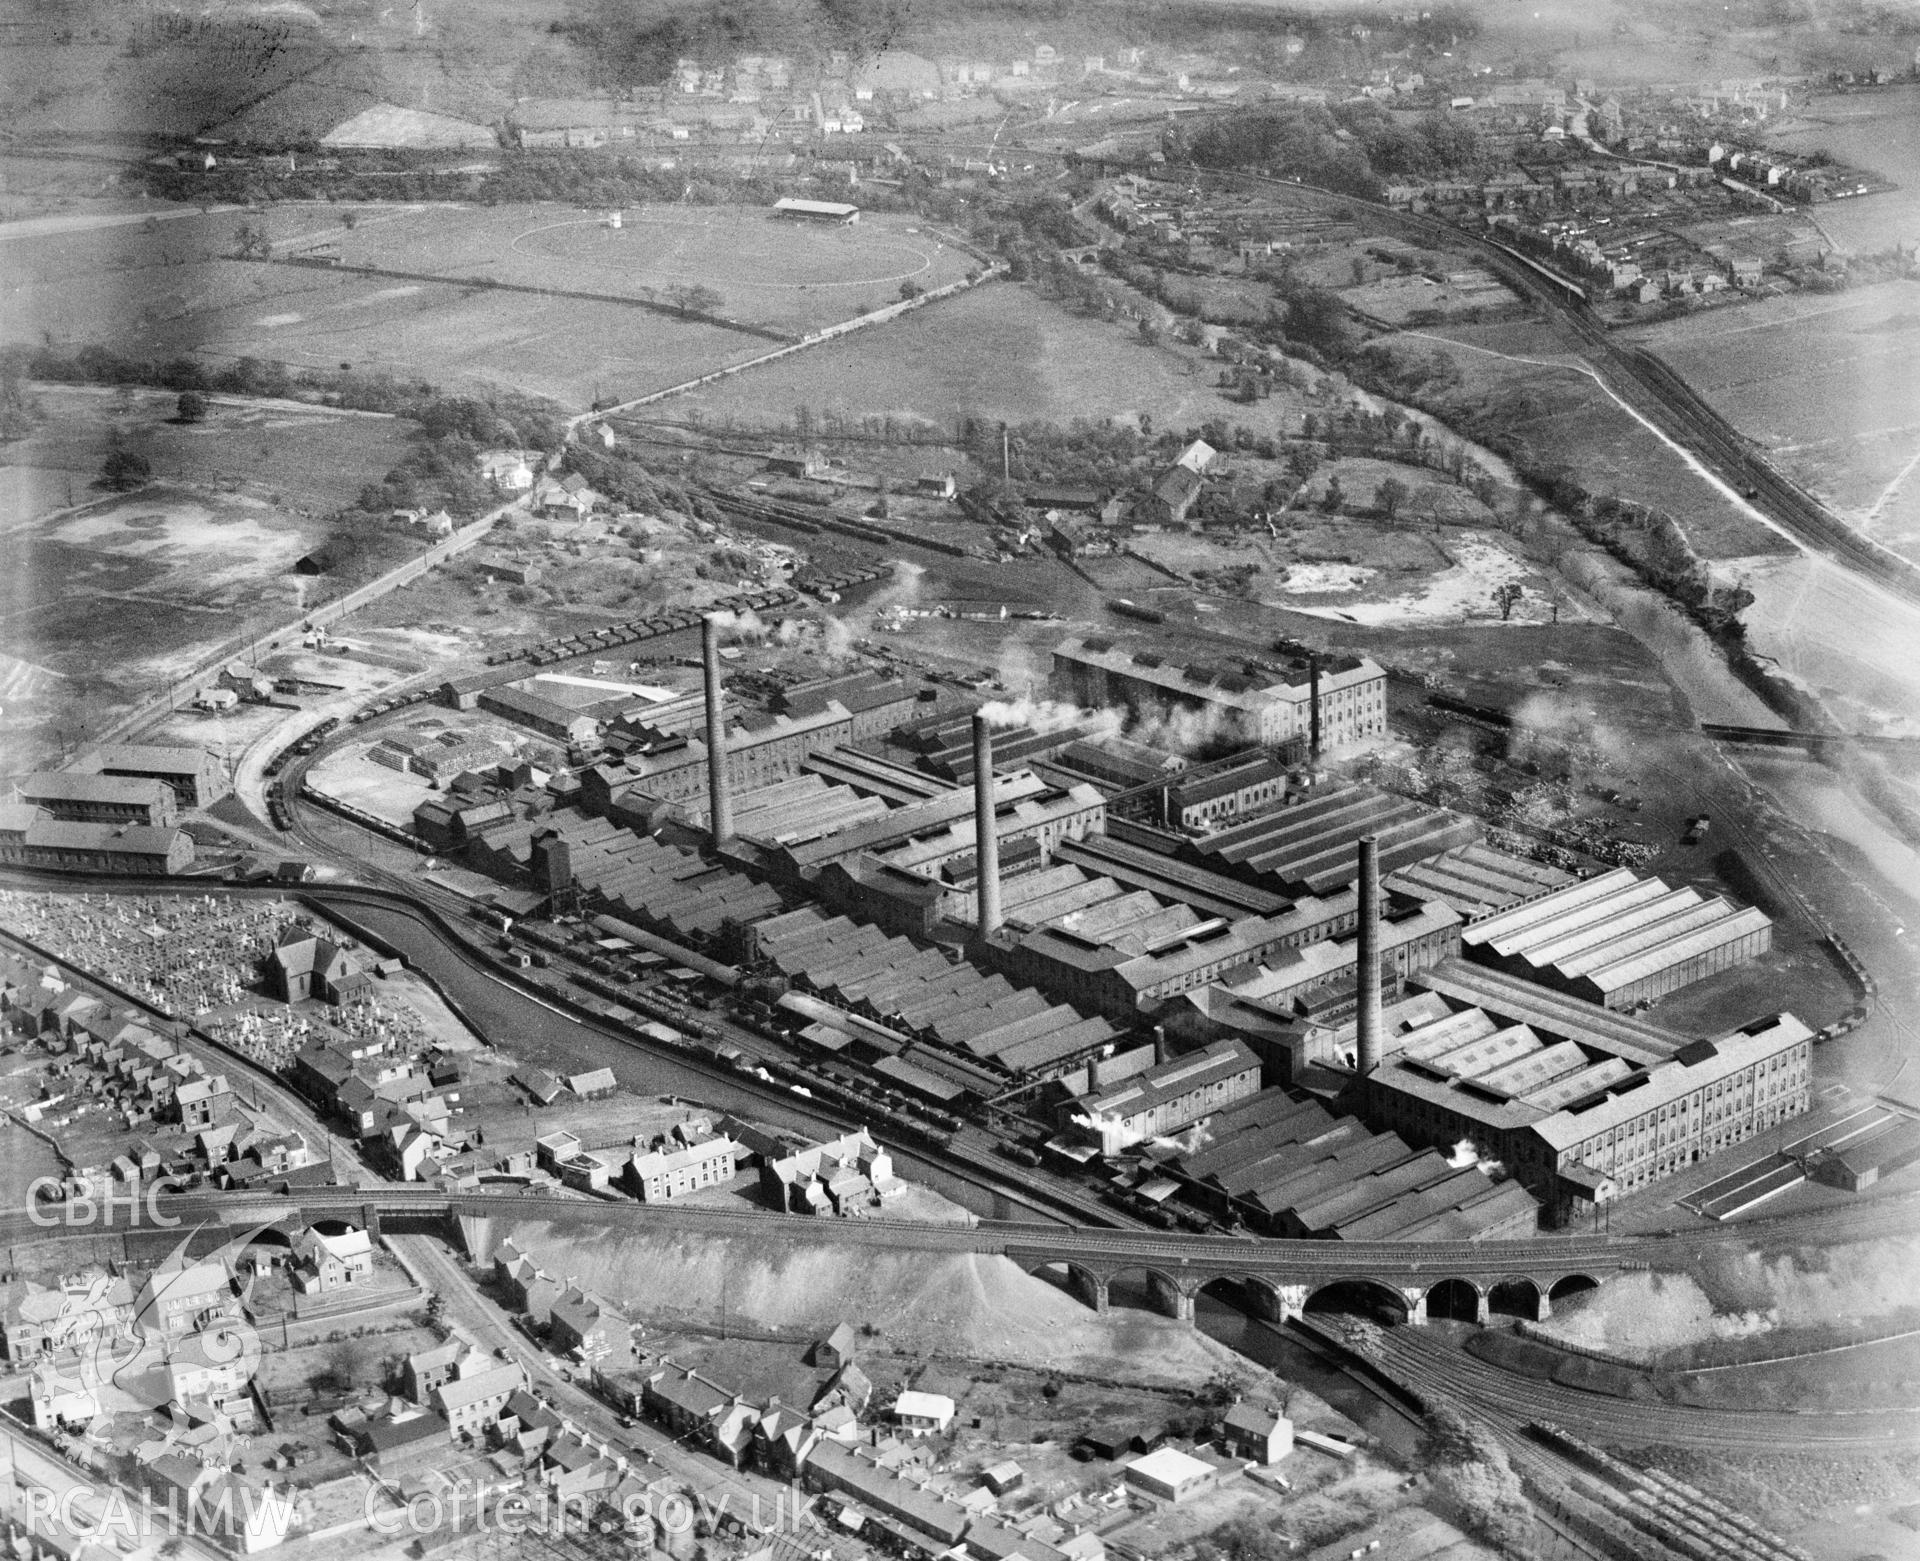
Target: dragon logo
(180, 1328)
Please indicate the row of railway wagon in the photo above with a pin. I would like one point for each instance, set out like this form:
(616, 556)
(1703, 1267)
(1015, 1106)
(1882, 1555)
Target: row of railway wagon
(632, 630)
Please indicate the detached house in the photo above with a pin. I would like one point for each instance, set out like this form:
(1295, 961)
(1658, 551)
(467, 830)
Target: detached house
(323, 1264)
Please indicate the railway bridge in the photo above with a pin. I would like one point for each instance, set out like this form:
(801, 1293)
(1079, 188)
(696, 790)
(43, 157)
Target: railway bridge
(1275, 1279)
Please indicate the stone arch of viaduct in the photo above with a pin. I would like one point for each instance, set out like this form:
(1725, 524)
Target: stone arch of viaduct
(1274, 1298)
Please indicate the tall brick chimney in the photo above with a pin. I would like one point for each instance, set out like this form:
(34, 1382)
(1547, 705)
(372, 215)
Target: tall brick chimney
(1366, 966)
(719, 795)
(986, 839)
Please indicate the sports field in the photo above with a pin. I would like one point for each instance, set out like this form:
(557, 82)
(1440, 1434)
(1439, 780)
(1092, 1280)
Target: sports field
(1830, 383)
(766, 270)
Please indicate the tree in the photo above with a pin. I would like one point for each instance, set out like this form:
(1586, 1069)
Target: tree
(191, 407)
(1507, 597)
(909, 291)
(125, 469)
(1389, 496)
(1334, 497)
(1149, 333)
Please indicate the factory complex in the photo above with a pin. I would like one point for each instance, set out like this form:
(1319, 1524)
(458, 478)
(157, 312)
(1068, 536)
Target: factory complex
(1363, 1017)
(1241, 990)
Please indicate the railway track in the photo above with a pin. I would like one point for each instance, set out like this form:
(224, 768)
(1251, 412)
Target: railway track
(1641, 378)
(1428, 1364)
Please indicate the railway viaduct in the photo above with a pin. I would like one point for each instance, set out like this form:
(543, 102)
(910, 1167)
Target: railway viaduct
(1275, 1279)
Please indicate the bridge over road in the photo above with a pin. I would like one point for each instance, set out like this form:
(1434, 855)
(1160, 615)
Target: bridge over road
(1277, 1279)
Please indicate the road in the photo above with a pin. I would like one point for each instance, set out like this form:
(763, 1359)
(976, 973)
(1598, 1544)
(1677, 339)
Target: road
(442, 1273)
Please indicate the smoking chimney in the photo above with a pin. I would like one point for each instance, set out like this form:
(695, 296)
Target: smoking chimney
(719, 797)
(1366, 969)
(1313, 708)
(986, 840)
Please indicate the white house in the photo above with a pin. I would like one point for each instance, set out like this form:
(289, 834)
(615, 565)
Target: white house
(508, 471)
(923, 1414)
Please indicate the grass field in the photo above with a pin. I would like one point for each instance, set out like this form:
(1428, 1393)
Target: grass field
(999, 351)
(167, 289)
(1527, 379)
(1830, 384)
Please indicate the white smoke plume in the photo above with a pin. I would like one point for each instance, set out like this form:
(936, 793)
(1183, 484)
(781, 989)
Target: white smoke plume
(1051, 715)
(1183, 731)
(903, 590)
(746, 625)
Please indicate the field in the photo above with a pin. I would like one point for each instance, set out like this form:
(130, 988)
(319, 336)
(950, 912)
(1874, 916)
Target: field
(1403, 300)
(167, 289)
(1830, 384)
(998, 352)
(113, 594)
(1526, 380)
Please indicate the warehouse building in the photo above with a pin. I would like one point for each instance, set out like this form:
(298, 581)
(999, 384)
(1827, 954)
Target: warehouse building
(1477, 880)
(943, 744)
(1124, 955)
(1287, 1167)
(1619, 940)
(1298, 992)
(1307, 846)
(99, 799)
(672, 767)
(1117, 764)
(935, 838)
(877, 704)
(1164, 1099)
(1203, 802)
(922, 994)
(32, 838)
(1098, 674)
(536, 713)
(195, 776)
(1580, 1104)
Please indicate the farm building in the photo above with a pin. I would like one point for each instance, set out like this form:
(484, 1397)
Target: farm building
(1098, 674)
(1581, 1104)
(99, 799)
(195, 776)
(815, 211)
(1618, 939)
